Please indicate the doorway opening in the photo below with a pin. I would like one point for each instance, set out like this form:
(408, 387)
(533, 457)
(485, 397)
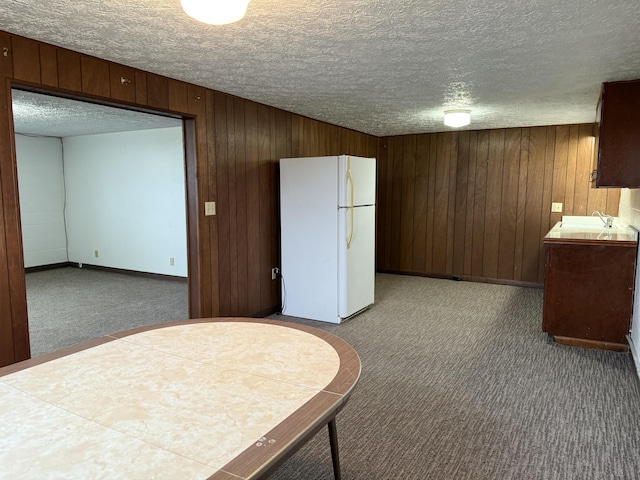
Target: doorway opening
(102, 197)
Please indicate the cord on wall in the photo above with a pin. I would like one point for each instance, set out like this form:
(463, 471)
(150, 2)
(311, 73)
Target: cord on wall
(64, 202)
(284, 294)
(64, 188)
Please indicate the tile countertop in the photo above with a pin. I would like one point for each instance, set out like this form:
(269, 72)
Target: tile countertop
(620, 234)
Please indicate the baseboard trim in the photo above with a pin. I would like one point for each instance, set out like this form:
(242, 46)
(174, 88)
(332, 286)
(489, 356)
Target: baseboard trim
(467, 278)
(135, 273)
(42, 268)
(585, 343)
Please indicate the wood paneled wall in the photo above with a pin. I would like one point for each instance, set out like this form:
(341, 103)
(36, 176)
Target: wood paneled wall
(476, 204)
(232, 149)
(249, 140)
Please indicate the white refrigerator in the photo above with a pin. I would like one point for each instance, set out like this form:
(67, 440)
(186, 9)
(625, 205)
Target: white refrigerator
(327, 208)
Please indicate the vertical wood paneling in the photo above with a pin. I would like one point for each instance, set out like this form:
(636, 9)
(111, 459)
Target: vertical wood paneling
(265, 161)
(233, 146)
(157, 91)
(406, 218)
(381, 203)
(613, 201)
(7, 342)
(26, 59)
(252, 169)
(572, 163)
(535, 186)
(141, 88)
(545, 219)
(493, 204)
(395, 152)
(421, 187)
(178, 93)
(48, 65)
(431, 198)
(6, 55)
(561, 155)
(522, 205)
(223, 201)
(334, 140)
(597, 200)
(95, 76)
(241, 239)
(282, 149)
(232, 213)
(279, 127)
(238, 145)
(459, 218)
(583, 183)
(509, 204)
(69, 71)
(388, 225)
(480, 200)
(203, 277)
(472, 150)
(12, 257)
(123, 83)
(487, 196)
(296, 136)
(451, 202)
(441, 203)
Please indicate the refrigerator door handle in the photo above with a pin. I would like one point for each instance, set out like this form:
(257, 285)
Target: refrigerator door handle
(350, 177)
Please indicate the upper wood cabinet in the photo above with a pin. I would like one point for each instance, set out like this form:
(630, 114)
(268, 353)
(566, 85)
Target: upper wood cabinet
(617, 145)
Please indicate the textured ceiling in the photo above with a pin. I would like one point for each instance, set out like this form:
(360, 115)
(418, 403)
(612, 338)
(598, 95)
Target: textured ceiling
(36, 114)
(381, 67)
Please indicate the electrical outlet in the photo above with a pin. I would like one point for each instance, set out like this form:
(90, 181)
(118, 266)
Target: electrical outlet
(95, 253)
(209, 208)
(556, 207)
(275, 271)
(171, 261)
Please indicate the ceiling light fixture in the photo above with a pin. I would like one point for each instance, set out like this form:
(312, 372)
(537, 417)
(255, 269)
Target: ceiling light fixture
(215, 12)
(457, 118)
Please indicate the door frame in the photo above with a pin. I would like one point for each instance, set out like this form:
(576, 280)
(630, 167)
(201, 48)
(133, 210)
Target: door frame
(17, 285)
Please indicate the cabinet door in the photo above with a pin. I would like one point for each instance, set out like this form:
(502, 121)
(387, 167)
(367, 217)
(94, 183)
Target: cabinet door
(618, 139)
(588, 291)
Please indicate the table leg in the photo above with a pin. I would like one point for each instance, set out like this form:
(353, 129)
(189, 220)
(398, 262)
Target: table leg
(333, 441)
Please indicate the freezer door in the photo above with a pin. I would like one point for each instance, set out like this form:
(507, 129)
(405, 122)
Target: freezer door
(357, 181)
(356, 261)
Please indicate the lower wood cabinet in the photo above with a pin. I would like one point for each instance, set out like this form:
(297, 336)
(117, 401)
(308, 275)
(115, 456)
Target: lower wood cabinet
(588, 293)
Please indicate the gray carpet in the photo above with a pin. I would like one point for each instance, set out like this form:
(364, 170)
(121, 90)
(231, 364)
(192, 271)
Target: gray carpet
(70, 305)
(459, 382)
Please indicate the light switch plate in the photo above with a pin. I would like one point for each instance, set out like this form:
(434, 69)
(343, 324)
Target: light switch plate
(556, 207)
(209, 208)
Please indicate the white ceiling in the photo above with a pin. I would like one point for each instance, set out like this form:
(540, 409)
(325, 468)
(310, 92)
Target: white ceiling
(381, 67)
(46, 115)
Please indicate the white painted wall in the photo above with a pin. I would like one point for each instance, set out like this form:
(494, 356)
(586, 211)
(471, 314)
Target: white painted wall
(126, 199)
(629, 211)
(41, 187)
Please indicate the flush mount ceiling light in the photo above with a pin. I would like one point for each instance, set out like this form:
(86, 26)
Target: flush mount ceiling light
(215, 12)
(457, 118)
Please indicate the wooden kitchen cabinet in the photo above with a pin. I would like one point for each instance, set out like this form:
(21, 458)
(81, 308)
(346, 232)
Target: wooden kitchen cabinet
(588, 290)
(617, 136)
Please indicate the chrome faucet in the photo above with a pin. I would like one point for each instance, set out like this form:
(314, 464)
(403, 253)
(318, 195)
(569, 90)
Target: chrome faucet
(607, 220)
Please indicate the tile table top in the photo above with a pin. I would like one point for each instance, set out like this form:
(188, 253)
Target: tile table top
(195, 399)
